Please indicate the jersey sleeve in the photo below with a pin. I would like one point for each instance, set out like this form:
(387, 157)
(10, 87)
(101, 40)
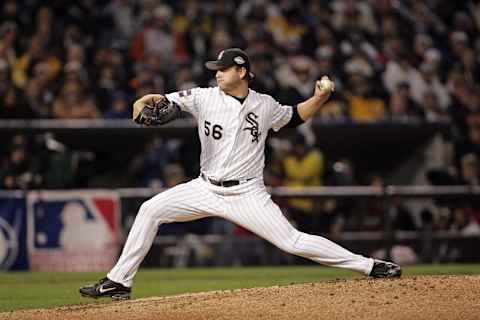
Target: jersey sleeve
(281, 115)
(189, 100)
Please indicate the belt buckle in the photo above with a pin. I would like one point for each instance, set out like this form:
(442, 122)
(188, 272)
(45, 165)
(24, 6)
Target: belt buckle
(224, 183)
(212, 181)
(215, 182)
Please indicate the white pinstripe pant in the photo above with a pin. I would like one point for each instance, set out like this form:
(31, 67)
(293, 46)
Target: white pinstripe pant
(248, 205)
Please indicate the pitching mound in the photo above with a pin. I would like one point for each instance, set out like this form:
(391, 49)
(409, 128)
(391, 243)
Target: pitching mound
(425, 297)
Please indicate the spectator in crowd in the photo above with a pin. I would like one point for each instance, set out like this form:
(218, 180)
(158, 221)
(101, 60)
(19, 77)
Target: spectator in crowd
(303, 167)
(402, 106)
(122, 14)
(470, 170)
(53, 163)
(373, 215)
(462, 105)
(17, 170)
(473, 144)
(156, 37)
(336, 213)
(41, 87)
(399, 71)
(73, 103)
(363, 104)
(120, 107)
(173, 174)
(431, 107)
(354, 15)
(76, 55)
(400, 216)
(158, 162)
(11, 12)
(148, 166)
(470, 65)
(293, 77)
(429, 80)
(5, 77)
(263, 63)
(276, 151)
(8, 43)
(422, 42)
(12, 105)
(37, 53)
(107, 85)
(463, 221)
(184, 78)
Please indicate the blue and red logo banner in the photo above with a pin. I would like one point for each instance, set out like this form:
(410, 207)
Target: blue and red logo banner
(72, 230)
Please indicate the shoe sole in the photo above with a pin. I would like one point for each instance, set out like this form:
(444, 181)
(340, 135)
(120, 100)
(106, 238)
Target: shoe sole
(121, 297)
(397, 274)
(115, 297)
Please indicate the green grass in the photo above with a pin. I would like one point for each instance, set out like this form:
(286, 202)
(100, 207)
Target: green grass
(25, 290)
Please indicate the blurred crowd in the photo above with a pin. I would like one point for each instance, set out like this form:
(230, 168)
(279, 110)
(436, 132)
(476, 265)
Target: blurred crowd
(412, 60)
(389, 58)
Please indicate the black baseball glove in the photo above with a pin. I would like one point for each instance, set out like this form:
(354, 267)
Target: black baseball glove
(156, 112)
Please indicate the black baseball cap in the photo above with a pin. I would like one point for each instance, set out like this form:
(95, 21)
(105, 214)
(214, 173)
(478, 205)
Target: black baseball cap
(229, 58)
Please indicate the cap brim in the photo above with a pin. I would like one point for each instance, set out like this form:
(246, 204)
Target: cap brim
(218, 65)
(215, 65)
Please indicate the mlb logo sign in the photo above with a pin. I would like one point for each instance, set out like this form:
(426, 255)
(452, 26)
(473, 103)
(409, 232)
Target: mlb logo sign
(72, 230)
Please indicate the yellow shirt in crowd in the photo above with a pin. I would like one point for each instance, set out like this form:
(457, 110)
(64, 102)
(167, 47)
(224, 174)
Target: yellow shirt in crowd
(366, 109)
(304, 172)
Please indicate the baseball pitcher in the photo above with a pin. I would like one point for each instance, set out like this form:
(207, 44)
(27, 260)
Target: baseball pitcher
(233, 122)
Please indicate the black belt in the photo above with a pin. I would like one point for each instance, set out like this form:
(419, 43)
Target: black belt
(225, 183)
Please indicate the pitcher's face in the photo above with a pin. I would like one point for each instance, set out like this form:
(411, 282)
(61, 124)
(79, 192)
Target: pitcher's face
(229, 78)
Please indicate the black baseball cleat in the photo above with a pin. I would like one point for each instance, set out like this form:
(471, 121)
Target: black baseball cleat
(106, 288)
(384, 269)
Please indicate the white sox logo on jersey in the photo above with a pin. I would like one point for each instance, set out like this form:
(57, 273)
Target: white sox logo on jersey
(251, 119)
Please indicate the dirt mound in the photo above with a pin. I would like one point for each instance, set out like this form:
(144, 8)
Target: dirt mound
(425, 297)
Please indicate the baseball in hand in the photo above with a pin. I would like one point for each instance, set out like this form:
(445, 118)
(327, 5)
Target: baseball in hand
(326, 84)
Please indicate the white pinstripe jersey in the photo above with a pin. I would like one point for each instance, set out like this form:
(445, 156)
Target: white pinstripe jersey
(232, 135)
